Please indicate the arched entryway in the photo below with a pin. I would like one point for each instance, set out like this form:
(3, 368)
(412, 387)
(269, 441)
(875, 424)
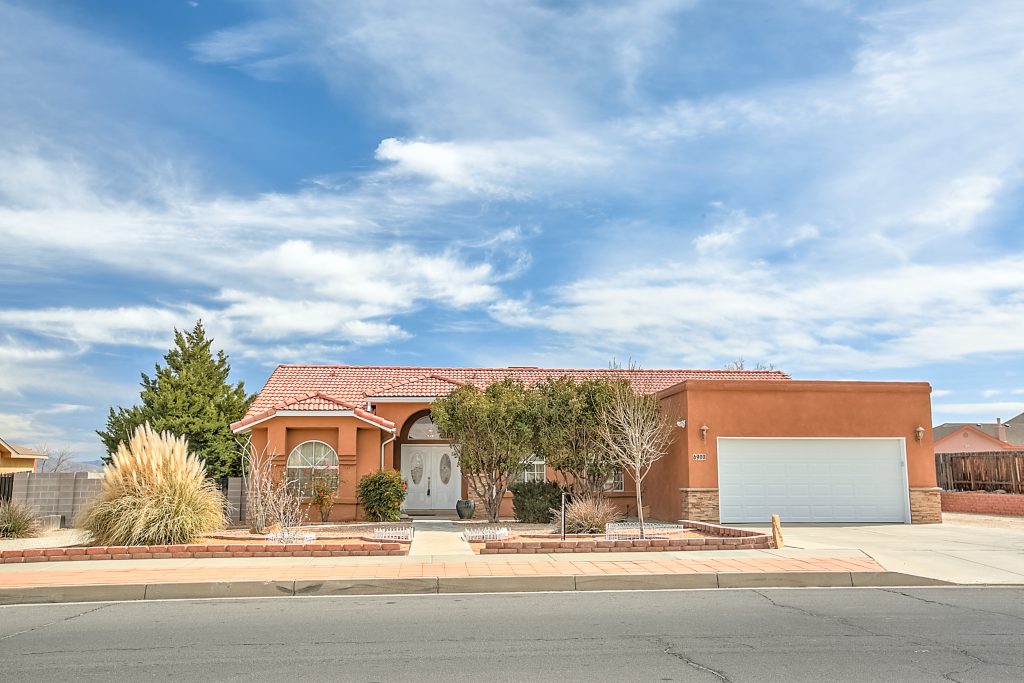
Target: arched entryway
(428, 466)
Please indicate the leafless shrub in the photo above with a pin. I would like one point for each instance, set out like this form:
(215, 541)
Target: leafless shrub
(271, 504)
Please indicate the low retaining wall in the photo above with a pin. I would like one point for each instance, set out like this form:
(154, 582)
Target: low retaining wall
(983, 503)
(719, 530)
(719, 538)
(163, 552)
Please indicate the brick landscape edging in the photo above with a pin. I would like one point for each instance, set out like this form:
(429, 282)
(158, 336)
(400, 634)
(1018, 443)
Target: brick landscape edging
(983, 503)
(719, 530)
(724, 538)
(200, 551)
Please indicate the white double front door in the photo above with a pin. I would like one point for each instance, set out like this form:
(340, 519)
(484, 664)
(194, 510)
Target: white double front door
(433, 477)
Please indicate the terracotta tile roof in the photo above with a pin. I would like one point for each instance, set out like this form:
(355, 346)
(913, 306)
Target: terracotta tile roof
(313, 401)
(351, 385)
(430, 385)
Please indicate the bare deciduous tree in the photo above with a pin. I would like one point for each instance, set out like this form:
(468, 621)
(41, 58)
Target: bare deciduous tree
(741, 364)
(635, 434)
(57, 459)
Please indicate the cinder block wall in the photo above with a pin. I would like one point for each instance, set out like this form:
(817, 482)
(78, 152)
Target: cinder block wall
(66, 493)
(56, 493)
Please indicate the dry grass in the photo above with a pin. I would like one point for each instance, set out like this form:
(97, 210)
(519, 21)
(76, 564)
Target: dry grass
(154, 493)
(587, 515)
(18, 521)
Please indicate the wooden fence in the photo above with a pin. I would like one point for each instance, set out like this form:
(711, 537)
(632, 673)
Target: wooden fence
(6, 487)
(980, 471)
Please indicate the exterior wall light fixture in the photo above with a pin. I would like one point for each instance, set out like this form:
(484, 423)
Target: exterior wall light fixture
(704, 432)
(919, 433)
(681, 423)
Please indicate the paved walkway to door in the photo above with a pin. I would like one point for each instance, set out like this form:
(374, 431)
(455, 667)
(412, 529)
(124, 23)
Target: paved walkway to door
(434, 538)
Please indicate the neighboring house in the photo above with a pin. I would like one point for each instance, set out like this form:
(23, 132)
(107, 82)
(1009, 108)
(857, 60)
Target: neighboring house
(979, 437)
(15, 458)
(749, 443)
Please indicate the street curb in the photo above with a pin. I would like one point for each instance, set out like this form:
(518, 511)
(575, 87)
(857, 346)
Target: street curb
(448, 585)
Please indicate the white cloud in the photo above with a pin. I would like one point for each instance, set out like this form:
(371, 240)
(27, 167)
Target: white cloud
(803, 233)
(513, 168)
(958, 207)
(990, 393)
(941, 393)
(894, 318)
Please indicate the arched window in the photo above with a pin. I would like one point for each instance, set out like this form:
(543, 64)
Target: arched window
(308, 461)
(423, 429)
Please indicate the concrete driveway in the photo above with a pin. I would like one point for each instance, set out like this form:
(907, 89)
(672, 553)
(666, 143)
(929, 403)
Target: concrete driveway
(973, 549)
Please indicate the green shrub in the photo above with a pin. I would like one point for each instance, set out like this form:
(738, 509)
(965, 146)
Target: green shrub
(154, 492)
(587, 515)
(381, 495)
(18, 521)
(532, 501)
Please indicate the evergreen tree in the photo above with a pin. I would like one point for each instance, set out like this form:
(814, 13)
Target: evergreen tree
(191, 397)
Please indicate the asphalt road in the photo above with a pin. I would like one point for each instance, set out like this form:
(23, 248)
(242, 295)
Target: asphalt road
(922, 634)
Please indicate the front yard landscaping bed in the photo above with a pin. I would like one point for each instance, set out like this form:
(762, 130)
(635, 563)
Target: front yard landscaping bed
(692, 536)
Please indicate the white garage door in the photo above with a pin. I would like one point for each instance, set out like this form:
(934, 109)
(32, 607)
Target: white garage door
(812, 480)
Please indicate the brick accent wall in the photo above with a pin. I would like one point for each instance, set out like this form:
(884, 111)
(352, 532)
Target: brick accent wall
(983, 503)
(600, 545)
(699, 505)
(926, 505)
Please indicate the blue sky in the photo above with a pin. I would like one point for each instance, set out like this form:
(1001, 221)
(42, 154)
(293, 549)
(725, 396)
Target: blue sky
(833, 187)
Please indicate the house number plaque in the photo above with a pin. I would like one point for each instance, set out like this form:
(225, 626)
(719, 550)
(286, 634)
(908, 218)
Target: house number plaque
(700, 456)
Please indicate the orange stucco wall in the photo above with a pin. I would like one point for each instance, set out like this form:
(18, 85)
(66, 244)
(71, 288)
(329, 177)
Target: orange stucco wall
(786, 409)
(729, 408)
(356, 442)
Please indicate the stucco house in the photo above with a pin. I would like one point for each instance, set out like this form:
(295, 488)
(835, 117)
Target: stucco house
(749, 443)
(15, 458)
(980, 437)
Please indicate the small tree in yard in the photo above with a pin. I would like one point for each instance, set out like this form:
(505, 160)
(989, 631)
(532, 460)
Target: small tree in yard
(324, 488)
(635, 434)
(492, 435)
(568, 432)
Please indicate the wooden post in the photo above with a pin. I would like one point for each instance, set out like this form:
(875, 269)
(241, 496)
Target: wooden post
(777, 532)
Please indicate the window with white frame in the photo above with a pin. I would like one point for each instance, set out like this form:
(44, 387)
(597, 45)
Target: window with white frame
(309, 461)
(616, 482)
(535, 470)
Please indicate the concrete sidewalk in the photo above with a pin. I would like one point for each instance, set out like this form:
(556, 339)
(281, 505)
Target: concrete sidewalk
(257, 577)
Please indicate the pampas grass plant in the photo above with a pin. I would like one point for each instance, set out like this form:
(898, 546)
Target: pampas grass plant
(154, 492)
